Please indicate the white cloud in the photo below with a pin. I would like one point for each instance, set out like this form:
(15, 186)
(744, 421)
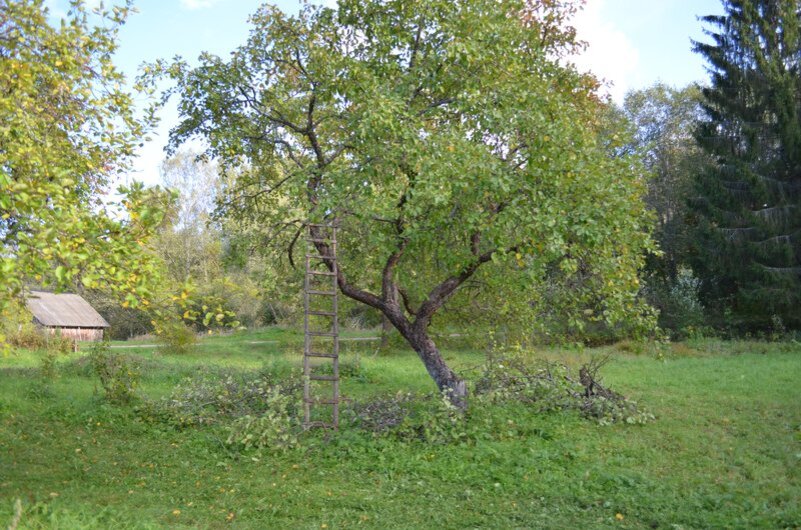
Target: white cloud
(197, 4)
(611, 56)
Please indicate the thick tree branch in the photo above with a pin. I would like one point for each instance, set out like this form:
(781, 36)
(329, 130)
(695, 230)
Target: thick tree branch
(442, 292)
(475, 243)
(406, 302)
(291, 248)
(388, 287)
(347, 289)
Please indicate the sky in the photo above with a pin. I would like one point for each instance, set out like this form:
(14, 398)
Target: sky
(632, 44)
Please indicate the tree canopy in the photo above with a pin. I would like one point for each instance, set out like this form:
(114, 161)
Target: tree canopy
(66, 127)
(748, 202)
(457, 150)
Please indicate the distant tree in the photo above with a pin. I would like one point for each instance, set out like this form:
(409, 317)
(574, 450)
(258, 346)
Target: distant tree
(664, 120)
(196, 248)
(458, 154)
(189, 244)
(748, 205)
(67, 126)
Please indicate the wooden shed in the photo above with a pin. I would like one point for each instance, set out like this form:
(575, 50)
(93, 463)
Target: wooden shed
(66, 314)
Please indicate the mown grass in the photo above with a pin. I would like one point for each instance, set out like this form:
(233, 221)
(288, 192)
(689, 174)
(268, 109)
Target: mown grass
(724, 452)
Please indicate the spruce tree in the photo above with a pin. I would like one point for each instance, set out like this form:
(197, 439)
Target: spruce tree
(748, 201)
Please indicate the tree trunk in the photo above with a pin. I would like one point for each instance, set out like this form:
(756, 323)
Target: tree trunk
(446, 379)
(415, 332)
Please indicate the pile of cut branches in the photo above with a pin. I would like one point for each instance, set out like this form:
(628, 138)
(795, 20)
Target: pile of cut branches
(547, 386)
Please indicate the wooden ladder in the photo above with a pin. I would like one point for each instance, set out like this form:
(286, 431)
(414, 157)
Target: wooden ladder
(321, 346)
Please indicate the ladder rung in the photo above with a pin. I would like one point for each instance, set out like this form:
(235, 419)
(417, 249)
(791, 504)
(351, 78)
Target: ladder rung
(322, 355)
(317, 256)
(322, 313)
(322, 293)
(322, 334)
(321, 273)
(322, 401)
(323, 377)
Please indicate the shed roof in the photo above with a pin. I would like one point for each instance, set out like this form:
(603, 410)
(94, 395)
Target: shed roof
(64, 310)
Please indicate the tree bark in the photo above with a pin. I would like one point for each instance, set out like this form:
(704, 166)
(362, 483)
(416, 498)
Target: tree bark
(416, 334)
(446, 379)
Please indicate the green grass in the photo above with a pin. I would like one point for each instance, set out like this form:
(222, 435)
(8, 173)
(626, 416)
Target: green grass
(724, 452)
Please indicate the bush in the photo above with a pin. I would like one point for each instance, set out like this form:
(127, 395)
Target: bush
(48, 368)
(548, 386)
(176, 338)
(118, 376)
(18, 330)
(678, 302)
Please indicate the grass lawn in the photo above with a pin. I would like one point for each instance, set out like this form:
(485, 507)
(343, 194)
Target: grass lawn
(724, 451)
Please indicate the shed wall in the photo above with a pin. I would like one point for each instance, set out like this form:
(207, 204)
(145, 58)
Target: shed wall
(78, 334)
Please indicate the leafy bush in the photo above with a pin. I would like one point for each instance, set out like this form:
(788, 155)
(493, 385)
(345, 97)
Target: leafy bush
(678, 302)
(175, 338)
(118, 376)
(440, 422)
(18, 330)
(48, 368)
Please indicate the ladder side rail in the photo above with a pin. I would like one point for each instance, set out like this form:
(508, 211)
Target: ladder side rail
(335, 289)
(306, 348)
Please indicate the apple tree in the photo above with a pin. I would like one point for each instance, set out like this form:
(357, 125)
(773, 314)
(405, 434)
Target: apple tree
(457, 149)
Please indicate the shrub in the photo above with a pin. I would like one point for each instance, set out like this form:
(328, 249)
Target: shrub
(678, 302)
(48, 368)
(118, 376)
(176, 338)
(16, 325)
(440, 422)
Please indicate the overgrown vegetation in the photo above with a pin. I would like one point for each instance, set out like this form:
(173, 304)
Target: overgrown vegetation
(548, 386)
(118, 376)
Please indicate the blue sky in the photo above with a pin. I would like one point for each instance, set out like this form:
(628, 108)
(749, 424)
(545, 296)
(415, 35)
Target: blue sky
(632, 44)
